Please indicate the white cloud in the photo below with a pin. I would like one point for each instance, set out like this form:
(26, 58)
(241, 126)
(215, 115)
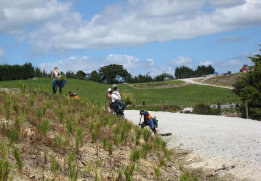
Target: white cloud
(2, 52)
(54, 26)
(181, 60)
(133, 64)
(230, 39)
(206, 63)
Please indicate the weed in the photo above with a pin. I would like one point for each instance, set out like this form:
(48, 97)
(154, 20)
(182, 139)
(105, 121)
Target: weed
(135, 155)
(44, 126)
(4, 170)
(18, 158)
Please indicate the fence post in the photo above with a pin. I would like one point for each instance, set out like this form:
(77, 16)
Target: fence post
(246, 110)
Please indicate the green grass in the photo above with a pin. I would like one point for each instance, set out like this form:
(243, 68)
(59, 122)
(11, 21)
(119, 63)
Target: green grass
(157, 84)
(186, 95)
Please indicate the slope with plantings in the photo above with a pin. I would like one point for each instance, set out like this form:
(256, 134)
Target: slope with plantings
(45, 137)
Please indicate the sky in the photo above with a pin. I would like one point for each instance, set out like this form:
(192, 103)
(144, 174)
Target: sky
(145, 36)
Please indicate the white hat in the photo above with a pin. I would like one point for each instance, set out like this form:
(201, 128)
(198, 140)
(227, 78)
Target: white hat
(109, 90)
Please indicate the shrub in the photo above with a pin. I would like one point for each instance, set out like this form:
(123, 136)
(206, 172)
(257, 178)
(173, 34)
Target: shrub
(204, 109)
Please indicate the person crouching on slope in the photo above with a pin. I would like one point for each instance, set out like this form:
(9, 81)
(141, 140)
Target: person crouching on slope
(148, 121)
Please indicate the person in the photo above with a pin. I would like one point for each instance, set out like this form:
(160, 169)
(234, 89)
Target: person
(108, 97)
(115, 97)
(73, 95)
(148, 121)
(56, 80)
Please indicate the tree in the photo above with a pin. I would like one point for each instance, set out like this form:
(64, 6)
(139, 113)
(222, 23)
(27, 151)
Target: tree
(114, 73)
(248, 88)
(94, 76)
(184, 72)
(80, 75)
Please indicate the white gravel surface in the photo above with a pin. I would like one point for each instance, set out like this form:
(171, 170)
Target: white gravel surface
(217, 140)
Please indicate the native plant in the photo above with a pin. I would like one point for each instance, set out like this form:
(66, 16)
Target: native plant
(138, 136)
(44, 126)
(146, 148)
(129, 171)
(7, 110)
(4, 170)
(12, 134)
(146, 134)
(135, 155)
(18, 158)
(69, 127)
(54, 166)
(58, 141)
(79, 139)
(73, 170)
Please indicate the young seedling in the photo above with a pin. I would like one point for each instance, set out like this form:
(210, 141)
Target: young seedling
(18, 158)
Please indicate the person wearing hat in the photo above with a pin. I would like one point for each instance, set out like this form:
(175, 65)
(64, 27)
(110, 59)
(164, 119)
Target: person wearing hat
(148, 120)
(115, 96)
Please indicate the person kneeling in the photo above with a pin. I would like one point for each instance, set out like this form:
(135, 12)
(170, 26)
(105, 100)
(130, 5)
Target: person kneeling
(148, 121)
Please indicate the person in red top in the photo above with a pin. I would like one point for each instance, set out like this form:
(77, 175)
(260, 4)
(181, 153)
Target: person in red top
(148, 120)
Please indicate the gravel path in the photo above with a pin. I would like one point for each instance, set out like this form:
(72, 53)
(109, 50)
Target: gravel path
(217, 140)
(194, 81)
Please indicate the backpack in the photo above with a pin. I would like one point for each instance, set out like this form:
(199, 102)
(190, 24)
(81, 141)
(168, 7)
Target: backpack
(122, 105)
(155, 122)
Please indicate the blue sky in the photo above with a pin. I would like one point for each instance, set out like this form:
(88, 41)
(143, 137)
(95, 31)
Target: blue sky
(152, 36)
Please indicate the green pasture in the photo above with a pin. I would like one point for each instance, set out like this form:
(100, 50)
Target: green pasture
(157, 84)
(186, 95)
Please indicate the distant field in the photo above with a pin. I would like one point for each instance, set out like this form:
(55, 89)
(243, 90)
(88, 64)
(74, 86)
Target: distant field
(186, 95)
(163, 84)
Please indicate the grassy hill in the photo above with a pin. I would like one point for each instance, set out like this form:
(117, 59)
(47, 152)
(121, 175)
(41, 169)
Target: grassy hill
(184, 95)
(58, 138)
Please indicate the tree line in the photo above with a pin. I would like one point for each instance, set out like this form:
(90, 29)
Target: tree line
(186, 72)
(112, 73)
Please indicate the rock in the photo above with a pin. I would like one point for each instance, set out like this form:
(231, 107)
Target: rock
(210, 175)
(233, 166)
(227, 169)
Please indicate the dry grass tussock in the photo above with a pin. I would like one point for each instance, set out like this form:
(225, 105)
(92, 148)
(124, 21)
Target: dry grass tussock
(58, 138)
